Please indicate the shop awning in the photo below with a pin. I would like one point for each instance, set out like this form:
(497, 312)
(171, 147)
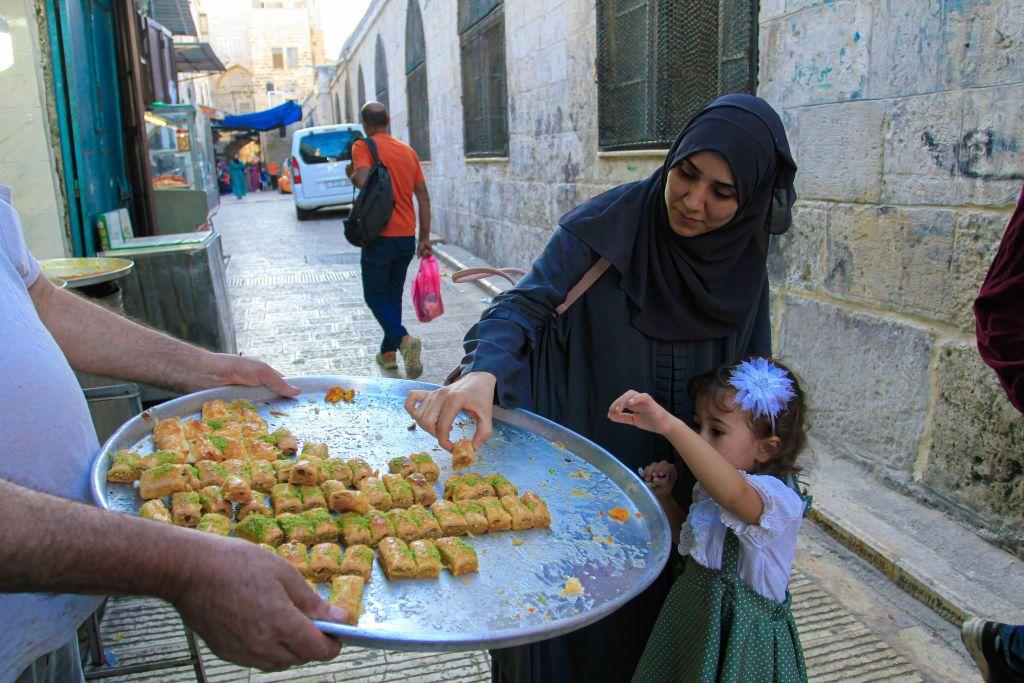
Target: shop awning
(175, 16)
(282, 115)
(196, 57)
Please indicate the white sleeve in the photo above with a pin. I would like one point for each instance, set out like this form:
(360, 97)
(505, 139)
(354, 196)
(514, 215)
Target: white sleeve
(783, 511)
(12, 244)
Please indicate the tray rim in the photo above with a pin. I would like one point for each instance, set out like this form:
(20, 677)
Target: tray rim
(120, 267)
(451, 642)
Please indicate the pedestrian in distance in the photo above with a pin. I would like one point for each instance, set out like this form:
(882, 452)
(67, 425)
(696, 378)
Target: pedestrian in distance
(238, 179)
(385, 261)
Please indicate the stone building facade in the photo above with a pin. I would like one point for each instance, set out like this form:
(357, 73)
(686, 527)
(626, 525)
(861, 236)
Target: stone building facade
(906, 121)
(269, 48)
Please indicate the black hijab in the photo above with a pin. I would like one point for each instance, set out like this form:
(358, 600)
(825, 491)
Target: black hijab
(704, 287)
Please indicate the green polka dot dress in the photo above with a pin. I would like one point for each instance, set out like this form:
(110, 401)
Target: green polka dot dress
(714, 627)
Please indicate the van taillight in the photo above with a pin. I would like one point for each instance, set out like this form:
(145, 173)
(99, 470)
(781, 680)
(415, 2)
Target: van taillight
(296, 178)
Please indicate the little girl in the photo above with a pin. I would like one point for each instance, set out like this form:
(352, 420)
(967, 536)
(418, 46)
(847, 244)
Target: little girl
(728, 615)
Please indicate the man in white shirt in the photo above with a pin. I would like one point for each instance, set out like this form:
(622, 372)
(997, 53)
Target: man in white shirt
(249, 606)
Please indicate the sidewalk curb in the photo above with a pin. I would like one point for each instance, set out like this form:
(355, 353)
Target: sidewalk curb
(868, 550)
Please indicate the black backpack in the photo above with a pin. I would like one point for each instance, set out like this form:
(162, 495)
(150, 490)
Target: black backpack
(373, 207)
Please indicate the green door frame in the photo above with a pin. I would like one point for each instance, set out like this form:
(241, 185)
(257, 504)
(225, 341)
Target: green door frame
(74, 217)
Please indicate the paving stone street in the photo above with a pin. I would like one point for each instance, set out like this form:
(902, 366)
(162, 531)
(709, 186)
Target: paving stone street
(296, 300)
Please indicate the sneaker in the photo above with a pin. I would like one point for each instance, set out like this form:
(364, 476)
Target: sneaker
(982, 639)
(410, 350)
(388, 361)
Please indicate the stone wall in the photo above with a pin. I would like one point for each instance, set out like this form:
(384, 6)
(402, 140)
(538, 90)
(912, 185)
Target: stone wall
(906, 122)
(27, 156)
(244, 37)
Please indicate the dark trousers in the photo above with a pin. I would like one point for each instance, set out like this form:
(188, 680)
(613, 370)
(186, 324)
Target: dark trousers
(384, 264)
(1013, 644)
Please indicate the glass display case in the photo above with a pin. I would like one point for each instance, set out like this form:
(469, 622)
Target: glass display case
(181, 162)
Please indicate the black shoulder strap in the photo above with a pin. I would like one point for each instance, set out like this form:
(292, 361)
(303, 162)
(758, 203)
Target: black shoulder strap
(372, 146)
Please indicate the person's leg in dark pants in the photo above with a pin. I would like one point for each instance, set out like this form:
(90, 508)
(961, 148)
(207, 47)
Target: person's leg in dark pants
(376, 274)
(409, 346)
(404, 252)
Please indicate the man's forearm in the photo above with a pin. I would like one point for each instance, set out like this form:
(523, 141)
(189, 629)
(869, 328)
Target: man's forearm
(99, 341)
(424, 204)
(49, 544)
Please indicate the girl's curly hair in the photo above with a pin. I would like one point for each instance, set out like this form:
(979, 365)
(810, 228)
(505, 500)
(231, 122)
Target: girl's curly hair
(789, 424)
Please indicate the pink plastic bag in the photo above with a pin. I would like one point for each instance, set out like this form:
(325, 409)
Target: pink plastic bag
(426, 290)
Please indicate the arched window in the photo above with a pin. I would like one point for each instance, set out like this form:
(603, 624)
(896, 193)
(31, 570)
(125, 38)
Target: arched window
(416, 81)
(380, 74)
(361, 91)
(484, 96)
(348, 102)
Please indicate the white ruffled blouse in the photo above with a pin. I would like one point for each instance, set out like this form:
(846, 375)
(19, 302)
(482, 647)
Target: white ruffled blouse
(766, 549)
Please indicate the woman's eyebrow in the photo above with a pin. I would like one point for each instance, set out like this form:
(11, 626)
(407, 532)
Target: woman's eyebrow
(700, 172)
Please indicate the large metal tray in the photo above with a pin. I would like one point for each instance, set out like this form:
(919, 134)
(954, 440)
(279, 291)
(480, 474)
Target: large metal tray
(518, 595)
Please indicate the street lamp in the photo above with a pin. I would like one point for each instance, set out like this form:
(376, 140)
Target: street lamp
(6, 45)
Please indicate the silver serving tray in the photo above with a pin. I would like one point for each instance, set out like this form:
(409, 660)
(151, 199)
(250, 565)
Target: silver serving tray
(518, 595)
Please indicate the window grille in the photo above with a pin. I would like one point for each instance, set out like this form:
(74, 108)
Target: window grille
(416, 81)
(695, 51)
(277, 57)
(380, 74)
(348, 102)
(484, 96)
(361, 92)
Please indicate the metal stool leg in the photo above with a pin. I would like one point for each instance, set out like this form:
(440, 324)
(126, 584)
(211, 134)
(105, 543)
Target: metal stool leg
(92, 628)
(193, 649)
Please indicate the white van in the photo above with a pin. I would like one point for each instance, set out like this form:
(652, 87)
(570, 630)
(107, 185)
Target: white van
(319, 157)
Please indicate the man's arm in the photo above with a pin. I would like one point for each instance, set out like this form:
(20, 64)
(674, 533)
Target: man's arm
(359, 177)
(250, 606)
(423, 200)
(99, 341)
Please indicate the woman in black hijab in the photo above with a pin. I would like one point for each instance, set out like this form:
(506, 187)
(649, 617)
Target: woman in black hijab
(687, 290)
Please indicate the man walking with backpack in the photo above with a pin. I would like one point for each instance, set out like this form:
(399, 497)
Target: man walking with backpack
(386, 258)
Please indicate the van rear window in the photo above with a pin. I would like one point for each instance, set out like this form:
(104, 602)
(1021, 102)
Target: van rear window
(335, 145)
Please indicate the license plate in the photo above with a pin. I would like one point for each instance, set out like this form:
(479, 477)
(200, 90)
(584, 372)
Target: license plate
(331, 184)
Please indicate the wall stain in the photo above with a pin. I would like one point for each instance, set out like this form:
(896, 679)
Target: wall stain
(975, 155)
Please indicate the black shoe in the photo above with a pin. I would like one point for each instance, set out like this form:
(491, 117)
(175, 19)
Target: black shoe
(982, 639)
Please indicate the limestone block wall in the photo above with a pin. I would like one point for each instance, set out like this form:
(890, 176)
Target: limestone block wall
(27, 157)
(907, 122)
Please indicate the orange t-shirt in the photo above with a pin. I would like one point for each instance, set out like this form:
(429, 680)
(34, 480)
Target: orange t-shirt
(405, 170)
(272, 168)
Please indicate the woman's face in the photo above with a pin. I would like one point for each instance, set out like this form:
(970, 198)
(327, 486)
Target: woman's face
(700, 195)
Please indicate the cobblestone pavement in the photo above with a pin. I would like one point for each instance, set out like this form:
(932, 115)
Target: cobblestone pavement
(297, 302)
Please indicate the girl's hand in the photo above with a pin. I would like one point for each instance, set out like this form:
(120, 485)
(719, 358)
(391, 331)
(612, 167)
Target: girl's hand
(645, 413)
(661, 478)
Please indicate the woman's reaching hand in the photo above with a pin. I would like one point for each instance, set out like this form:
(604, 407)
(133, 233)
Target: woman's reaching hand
(435, 411)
